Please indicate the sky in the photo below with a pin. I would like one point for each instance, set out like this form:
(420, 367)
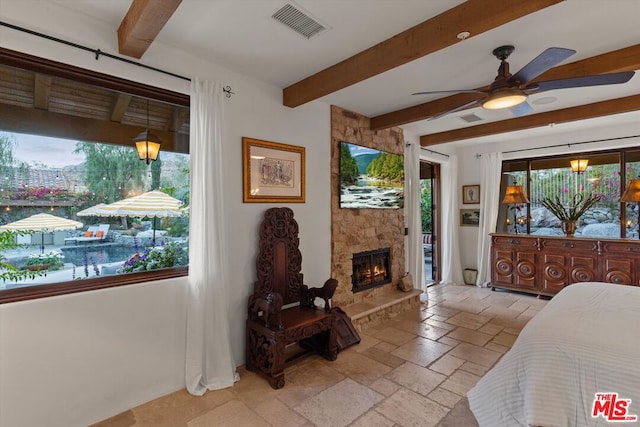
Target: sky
(53, 152)
(358, 149)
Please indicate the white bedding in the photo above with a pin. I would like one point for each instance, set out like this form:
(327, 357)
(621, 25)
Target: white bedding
(586, 340)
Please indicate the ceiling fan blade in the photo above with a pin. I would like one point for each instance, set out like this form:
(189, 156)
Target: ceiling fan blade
(596, 80)
(521, 109)
(541, 63)
(432, 92)
(459, 108)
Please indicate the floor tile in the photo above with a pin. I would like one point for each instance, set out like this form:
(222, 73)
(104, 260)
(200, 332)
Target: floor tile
(277, 413)
(384, 357)
(447, 364)
(384, 386)
(307, 380)
(475, 354)
(504, 339)
(394, 336)
(468, 320)
(234, 413)
(444, 397)
(372, 419)
(359, 367)
(348, 400)
(416, 378)
(470, 336)
(474, 368)
(408, 409)
(409, 371)
(421, 351)
(460, 382)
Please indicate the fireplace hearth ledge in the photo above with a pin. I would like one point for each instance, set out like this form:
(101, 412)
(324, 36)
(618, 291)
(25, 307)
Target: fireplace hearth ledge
(381, 307)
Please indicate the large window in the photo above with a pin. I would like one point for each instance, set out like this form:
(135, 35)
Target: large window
(553, 178)
(79, 209)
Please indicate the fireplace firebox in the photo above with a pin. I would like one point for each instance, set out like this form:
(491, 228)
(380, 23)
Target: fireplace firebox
(371, 269)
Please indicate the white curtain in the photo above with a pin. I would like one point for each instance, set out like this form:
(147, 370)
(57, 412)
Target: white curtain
(414, 221)
(209, 361)
(490, 173)
(449, 243)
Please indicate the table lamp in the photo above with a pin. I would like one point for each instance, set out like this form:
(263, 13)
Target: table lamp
(632, 194)
(514, 195)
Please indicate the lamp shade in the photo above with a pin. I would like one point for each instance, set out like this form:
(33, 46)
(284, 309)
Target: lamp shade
(147, 146)
(515, 194)
(632, 193)
(504, 99)
(579, 165)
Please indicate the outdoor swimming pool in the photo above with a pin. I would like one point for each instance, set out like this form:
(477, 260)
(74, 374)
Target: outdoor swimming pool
(102, 254)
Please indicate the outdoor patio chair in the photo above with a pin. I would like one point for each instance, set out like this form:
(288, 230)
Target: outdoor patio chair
(91, 231)
(99, 234)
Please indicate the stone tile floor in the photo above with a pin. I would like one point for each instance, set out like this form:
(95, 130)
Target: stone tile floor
(410, 371)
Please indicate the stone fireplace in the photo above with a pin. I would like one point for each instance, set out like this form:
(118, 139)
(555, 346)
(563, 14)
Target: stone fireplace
(355, 231)
(371, 269)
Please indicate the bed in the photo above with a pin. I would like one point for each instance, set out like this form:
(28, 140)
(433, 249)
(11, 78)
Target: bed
(586, 340)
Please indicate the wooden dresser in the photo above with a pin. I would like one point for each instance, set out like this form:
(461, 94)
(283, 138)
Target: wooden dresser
(545, 264)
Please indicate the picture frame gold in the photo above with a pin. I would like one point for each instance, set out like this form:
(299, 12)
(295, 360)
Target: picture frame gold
(470, 217)
(471, 194)
(272, 172)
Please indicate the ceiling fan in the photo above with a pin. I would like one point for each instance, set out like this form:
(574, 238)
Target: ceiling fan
(511, 91)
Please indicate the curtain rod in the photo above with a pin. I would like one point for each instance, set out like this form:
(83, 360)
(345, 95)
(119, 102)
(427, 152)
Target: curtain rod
(98, 52)
(408, 144)
(569, 144)
(434, 152)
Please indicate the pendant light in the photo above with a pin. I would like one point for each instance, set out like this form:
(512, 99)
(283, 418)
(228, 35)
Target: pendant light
(147, 144)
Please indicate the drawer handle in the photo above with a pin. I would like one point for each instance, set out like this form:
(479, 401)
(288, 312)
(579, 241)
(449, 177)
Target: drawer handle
(568, 245)
(632, 249)
(513, 241)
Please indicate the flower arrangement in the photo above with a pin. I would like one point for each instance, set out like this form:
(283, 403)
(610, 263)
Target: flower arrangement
(171, 254)
(52, 259)
(578, 205)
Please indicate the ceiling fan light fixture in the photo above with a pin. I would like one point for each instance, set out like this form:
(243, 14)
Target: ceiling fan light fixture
(504, 99)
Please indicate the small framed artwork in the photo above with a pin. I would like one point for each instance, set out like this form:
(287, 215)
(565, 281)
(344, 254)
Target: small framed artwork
(272, 172)
(470, 194)
(470, 217)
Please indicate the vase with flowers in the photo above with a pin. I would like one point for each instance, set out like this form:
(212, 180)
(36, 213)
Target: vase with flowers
(570, 214)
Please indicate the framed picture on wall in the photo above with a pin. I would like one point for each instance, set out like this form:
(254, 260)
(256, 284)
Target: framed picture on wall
(272, 172)
(471, 194)
(470, 217)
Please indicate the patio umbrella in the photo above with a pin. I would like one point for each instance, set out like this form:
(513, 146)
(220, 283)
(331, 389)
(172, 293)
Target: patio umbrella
(44, 223)
(153, 204)
(91, 211)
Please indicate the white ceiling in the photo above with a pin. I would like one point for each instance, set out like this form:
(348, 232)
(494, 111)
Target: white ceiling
(240, 35)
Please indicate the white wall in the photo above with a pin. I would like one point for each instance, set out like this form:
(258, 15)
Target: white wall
(77, 359)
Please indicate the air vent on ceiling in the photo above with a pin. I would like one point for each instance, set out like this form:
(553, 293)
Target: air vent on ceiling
(298, 21)
(470, 118)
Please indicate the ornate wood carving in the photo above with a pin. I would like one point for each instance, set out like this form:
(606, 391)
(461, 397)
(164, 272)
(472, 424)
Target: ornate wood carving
(544, 265)
(270, 328)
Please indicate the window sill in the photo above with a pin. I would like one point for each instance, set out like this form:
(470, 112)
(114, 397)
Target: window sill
(64, 288)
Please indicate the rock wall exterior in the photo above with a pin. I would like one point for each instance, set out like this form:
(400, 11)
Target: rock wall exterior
(358, 230)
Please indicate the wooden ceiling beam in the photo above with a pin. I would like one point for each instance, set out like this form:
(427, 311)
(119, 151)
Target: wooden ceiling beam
(142, 24)
(475, 16)
(41, 91)
(627, 59)
(58, 125)
(582, 112)
(120, 106)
